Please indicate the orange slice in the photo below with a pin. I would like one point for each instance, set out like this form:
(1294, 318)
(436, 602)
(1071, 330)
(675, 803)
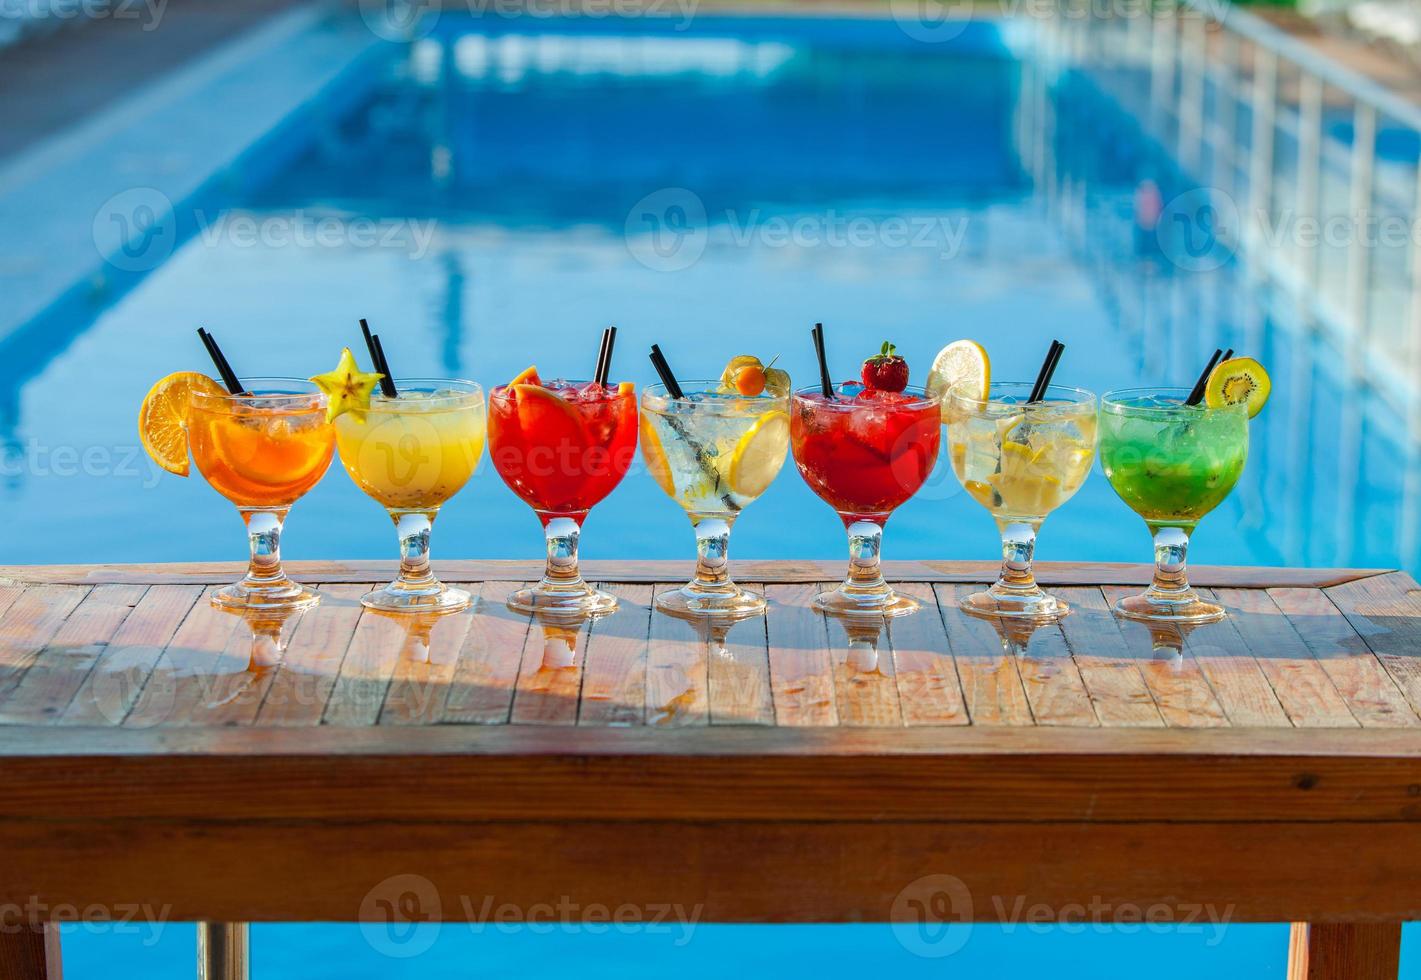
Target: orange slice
(546, 419)
(162, 418)
(528, 376)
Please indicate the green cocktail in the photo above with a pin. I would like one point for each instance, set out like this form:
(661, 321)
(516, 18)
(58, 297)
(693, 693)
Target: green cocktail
(1172, 463)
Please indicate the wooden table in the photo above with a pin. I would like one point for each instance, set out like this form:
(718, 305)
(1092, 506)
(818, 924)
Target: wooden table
(1267, 768)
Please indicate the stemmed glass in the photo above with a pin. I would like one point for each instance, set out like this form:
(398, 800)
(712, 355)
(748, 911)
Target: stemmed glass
(1020, 460)
(713, 452)
(262, 450)
(1172, 463)
(562, 446)
(864, 453)
(411, 453)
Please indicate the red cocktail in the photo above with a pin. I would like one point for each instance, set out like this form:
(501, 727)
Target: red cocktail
(865, 452)
(562, 446)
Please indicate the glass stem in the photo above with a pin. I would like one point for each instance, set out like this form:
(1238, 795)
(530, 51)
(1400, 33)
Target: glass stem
(1018, 548)
(712, 553)
(413, 530)
(562, 534)
(865, 543)
(264, 540)
(1171, 576)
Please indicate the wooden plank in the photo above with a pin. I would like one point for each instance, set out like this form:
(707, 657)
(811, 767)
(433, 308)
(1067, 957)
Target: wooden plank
(1371, 695)
(1177, 684)
(1234, 675)
(30, 951)
(991, 683)
(651, 572)
(850, 871)
(614, 681)
(59, 669)
(677, 671)
(1049, 674)
(1345, 951)
(721, 772)
(301, 688)
(550, 674)
(32, 619)
(429, 657)
(801, 672)
(739, 672)
(189, 669)
(108, 690)
(1386, 613)
(865, 685)
(1108, 668)
(929, 690)
(1302, 687)
(366, 671)
(481, 691)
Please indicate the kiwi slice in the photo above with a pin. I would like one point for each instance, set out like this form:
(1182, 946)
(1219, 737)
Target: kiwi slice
(1238, 381)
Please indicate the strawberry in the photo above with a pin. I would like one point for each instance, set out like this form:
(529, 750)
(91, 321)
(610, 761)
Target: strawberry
(886, 371)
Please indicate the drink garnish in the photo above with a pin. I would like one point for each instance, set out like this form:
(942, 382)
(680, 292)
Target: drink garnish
(745, 375)
(162, 418)
(347, 388)
(1238, 380)
(758, 454)
(655, 456)
(962, 365)
(886, 370)
(528, 376)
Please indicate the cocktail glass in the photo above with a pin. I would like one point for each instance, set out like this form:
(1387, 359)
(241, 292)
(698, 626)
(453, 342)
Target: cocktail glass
(714, 453)
(262, 451)
(864, 453)
(411, 453)
(562, 446)
(1020, 460)
(1172, 463)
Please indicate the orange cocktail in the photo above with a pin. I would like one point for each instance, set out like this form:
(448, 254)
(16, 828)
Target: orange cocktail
(262, 450)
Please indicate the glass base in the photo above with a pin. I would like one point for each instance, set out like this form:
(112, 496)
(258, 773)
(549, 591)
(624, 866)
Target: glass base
(728, 600)
(280, 593)
(1184, 607)
(433, 598)
(1025, 604)
(579, 600)
(845, 601)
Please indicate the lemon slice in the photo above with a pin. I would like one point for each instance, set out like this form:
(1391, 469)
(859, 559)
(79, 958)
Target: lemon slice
(961, 363)
(759, 455)
(655, 456)
(162, 418)
(1239, 380)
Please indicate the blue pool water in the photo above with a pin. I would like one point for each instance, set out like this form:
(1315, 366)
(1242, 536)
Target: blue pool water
(498, 191)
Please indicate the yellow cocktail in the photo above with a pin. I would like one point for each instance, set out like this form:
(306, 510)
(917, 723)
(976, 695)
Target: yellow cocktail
(412, 453)
(1021, 460)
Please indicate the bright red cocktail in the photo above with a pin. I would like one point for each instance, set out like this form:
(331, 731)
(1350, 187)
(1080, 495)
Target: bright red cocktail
(562, 446)
(864, 453)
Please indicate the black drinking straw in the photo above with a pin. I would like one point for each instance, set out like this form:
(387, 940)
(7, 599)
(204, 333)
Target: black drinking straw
(828, 386)
(1227, 354)
(1197, 392)
(229, 377)
(658, 361)
(604, 356)
(1048, 368)
(377, 360)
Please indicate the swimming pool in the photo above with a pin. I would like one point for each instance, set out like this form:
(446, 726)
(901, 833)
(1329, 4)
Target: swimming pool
(495, 192)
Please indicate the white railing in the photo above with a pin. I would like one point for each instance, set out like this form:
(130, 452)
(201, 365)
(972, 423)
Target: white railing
(1317, 209)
